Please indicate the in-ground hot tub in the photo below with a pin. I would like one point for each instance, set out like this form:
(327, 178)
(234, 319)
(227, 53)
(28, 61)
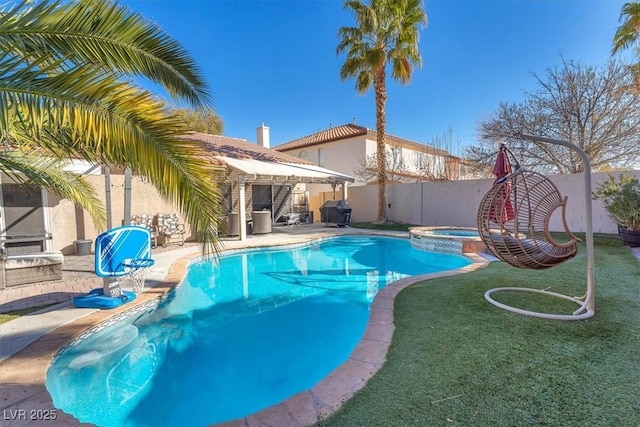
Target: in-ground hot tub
(447, 239)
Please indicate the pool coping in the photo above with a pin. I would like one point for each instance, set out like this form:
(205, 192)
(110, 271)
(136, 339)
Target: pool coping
(23, 374)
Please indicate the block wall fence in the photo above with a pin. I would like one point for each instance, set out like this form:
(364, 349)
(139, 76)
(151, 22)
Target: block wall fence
(448, 203)
(455, 203)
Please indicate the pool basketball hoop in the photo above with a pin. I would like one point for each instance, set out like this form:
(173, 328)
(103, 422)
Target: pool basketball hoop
(121, 251)
(137, 268)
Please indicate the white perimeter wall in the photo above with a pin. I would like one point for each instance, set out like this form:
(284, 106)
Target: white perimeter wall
(455, 203)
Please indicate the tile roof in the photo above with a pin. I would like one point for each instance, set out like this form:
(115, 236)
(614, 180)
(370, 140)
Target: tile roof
(240, 156)
(348, 131)
(237, 148)
(331, 134)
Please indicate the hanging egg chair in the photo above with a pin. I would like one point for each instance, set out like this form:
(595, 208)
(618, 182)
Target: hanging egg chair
(513, 222)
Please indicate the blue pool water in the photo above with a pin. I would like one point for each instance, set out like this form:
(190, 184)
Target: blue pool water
(456, 233)
(236, 337)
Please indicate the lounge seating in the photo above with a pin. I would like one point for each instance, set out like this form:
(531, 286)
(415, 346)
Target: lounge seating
(292, 218)
(146, 221)
(170, 229)
(32, 268)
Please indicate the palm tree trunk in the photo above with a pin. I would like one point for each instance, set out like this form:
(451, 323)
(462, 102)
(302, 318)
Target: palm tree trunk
(381, 124)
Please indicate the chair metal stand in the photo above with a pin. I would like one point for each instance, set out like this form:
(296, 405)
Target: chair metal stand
(586, 302)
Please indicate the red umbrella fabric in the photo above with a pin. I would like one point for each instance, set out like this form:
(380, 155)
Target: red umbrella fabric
(503, 210)
(502, 167)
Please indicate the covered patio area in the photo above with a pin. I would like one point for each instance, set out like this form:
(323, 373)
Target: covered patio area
(258, 182)
(252, 172)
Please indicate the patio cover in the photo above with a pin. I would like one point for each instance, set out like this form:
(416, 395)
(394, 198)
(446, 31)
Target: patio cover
(255, 171)
(258, 170)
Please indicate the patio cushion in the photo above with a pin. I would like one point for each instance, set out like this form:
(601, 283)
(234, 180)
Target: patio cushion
(169, 227)
(33, 260)
(143, 220)
(169, 224)
(32, 268)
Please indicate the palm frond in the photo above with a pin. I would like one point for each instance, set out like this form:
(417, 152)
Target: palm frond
(364, 81)
(628, 32)
(48, 173)
(387, 31)
(401, 70)
(63, 94)
(90, 113)
(105, 33)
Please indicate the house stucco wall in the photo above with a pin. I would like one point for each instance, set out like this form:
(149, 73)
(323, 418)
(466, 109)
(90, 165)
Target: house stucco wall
(68, 223)
(347, 156)
(342, 156)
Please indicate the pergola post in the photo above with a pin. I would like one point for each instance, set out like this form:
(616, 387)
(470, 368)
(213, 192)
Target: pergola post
(127, 197)
(107, 195)
(344, 190)
(242, 211)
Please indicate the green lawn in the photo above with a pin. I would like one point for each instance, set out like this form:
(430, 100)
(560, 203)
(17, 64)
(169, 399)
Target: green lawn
(457, 360)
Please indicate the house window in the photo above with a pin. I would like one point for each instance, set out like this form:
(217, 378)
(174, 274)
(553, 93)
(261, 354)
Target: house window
(23, 215)
(419, 159)
(303, 154)
(261, 197)
(396, 154)
(227, 197)
(23, 209)
(320, 156)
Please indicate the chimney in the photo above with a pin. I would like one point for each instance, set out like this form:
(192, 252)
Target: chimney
(263, 135)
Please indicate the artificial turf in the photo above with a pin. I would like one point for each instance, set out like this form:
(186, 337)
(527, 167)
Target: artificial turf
(457, 360)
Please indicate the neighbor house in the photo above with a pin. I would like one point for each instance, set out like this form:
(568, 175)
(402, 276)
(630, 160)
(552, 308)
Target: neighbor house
(351, 149)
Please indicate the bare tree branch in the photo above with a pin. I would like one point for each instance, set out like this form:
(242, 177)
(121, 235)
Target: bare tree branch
(434, 166)
(396, 168)
(589, 106)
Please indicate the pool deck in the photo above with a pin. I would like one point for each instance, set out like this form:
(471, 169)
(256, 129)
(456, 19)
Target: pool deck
(28, 344)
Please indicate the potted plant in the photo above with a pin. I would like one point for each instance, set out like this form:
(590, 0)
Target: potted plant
(622, 201)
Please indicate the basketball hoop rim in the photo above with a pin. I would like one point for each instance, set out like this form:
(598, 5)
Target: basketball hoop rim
(138, 263)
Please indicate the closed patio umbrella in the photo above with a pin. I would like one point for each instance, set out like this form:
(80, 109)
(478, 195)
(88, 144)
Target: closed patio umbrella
(502, 211)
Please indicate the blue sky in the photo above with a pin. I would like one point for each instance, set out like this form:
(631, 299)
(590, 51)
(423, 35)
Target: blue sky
(274, 61)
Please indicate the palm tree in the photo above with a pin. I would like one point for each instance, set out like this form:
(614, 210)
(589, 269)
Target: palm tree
(628, 34)
(66, 90)
(387, 32)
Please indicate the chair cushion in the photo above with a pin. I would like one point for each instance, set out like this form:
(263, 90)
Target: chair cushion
(13, 262)
(169, 224)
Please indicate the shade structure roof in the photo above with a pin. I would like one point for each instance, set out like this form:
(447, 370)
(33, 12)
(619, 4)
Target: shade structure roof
(267, 171)
(261, 164)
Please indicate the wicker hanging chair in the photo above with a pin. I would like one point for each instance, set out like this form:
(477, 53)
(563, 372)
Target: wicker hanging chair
(513, 221)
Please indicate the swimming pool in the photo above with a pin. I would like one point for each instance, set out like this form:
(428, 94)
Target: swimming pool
(238, 337)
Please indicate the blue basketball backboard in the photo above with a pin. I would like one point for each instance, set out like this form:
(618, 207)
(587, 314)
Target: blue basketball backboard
(118, 245)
